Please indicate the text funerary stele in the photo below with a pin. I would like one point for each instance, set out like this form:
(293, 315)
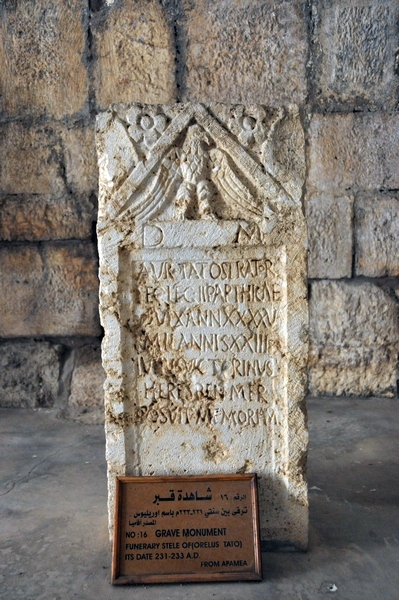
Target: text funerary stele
(202, 248)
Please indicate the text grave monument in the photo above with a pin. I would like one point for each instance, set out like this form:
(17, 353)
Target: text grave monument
(203, 299)
(186, 528)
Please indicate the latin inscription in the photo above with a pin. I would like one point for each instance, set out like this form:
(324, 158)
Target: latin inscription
(209, 343)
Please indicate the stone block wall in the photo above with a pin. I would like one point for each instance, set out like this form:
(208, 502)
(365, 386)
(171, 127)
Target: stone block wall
(63, 62)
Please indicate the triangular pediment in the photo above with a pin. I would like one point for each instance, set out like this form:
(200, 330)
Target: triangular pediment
(187, 156)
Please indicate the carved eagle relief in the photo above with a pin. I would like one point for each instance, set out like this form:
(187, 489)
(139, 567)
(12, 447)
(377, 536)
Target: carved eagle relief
(209, 187)
(189, 165)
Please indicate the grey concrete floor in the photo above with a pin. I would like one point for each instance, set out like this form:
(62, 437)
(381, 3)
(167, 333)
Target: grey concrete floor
(53, 527)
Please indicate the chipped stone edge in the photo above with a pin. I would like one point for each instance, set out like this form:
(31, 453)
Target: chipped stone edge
(109, 239)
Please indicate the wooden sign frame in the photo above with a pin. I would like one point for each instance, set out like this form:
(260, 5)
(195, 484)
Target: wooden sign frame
(185, 529)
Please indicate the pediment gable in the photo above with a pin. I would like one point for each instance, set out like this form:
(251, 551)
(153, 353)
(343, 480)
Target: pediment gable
(190, 161)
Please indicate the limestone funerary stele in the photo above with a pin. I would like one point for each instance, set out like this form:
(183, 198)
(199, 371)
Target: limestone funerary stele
(202, 246)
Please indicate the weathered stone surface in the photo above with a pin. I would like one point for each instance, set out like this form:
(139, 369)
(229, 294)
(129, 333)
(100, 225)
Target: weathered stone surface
(354, 337)
(330, 236)
(356, 43)
(49, 290)
(80, 159)
(29, 373)
(42, 45)
(203, 299)
(86, 400)
(377, 235)
(30, 159)
(135, 55)
(354, 151)
(245, 51)
(47, 159)
(39, 217)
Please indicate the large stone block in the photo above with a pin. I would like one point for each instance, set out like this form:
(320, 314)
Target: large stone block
(135, 57)
(354, 340)
(80, 158)
(86, 400)
(202, 246)
(42, 46)
(29, 374)
(377, 235)
(245, 51)
(330, 236)
(354, 151)
(50, 290)
(355, 56)
(40, 217)
(50, 159)
(31, 159)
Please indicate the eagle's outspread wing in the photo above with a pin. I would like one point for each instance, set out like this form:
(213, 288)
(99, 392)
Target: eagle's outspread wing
(158, 194)
(231, 188)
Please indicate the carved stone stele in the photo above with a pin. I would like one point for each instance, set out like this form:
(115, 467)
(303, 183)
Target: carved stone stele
(203, 290)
